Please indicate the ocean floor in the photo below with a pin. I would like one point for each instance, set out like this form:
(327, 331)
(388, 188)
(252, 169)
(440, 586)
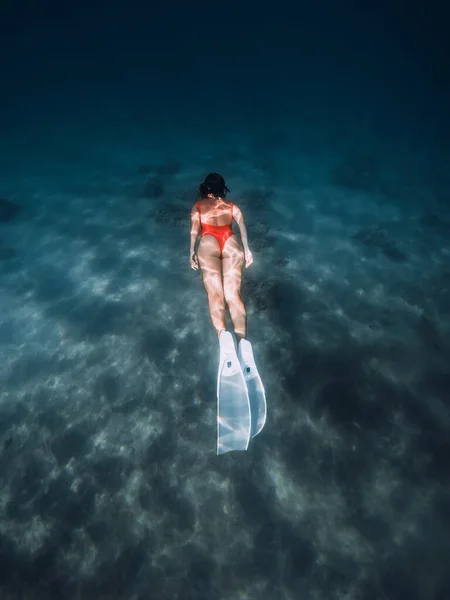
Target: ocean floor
(110, 483)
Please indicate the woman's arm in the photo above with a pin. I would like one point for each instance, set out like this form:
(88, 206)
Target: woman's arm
(195, 230)
(239, 218)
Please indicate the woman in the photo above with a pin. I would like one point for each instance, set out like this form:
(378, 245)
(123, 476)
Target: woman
(220, 254)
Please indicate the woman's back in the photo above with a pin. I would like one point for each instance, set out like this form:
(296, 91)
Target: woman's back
(215, 211)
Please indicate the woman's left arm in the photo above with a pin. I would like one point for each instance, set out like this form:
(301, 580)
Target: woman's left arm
(195, 230)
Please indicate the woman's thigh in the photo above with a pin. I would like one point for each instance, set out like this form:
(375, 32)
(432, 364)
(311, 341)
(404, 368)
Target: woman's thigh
(208, 254)
(232, 263)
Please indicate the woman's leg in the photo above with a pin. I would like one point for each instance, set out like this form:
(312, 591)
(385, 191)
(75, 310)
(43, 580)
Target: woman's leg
(210, 264)
(232, 263)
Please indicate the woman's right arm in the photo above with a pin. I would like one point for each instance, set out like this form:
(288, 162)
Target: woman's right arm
(239, 218)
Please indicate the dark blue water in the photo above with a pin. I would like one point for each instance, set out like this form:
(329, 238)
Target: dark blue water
(330, 125)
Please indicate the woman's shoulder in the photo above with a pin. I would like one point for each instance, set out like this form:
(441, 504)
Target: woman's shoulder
(196, 207)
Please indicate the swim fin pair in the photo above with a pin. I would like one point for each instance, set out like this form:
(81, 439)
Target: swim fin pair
(241, 399)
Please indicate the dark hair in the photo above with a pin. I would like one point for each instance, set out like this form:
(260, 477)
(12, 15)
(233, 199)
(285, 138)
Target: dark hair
(214, 184)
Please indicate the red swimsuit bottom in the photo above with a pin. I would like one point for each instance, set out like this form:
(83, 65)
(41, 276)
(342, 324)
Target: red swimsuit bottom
(220, 232)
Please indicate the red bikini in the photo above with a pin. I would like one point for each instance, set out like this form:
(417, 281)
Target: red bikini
(220, 232)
